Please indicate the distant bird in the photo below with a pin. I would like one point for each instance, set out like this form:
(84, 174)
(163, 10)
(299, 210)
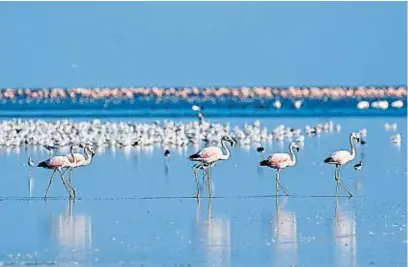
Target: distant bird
(260, 150)
(30, 162)
(167, 153)
(208, 156)
(358, 166)
(50, 148)
(280, 161)
(396, 139)
(342, 157)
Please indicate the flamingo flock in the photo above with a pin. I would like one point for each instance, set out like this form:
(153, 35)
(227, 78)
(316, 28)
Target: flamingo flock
(218, 139)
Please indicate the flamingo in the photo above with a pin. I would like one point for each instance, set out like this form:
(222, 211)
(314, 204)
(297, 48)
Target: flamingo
(79, 160)
(280, 161)
(207, 158)
(56, 163)
(341, 158)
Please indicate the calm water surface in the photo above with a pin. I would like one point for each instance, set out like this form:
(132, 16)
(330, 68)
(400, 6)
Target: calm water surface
(132, 210)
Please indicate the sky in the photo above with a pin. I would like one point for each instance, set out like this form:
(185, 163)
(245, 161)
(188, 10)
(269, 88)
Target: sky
(89, 44)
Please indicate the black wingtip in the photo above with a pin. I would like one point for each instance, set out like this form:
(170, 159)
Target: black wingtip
(42, 164)
(328, 160)
(263, 163)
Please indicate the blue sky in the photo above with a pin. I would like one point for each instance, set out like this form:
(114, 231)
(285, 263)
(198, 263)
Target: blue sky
(48, 44)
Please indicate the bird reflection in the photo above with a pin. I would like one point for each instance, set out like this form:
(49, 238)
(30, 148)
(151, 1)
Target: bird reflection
(285, 233)
(72, 232)
(345, 237)
(216, 233)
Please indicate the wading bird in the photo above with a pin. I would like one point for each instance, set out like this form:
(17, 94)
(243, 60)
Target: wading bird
(358, 166)
(208, 156)
(79, 160)
(280, 161)
(57, 163)
(342, 157)
(260, 150)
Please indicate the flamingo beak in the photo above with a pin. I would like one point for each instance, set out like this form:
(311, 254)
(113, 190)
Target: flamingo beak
(358, 139)
(297, 149)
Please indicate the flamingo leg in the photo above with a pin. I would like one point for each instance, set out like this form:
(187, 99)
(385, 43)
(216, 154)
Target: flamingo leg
(284, 189)
(196, 169)
(276, 182)
(345, 188)
(49, 184)
(70, 177)
(68, 187)
(209, 180)
(337, 180)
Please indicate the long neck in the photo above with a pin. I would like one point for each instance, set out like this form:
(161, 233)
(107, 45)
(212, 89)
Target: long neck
(227, 154)
(292, 155)
(353, 150)
(72, 159)
(88, 155)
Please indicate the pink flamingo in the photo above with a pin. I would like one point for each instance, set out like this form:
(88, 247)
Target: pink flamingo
(342, 157)
(57, 163)
(79, 160)
(280, 161)
(207, 158)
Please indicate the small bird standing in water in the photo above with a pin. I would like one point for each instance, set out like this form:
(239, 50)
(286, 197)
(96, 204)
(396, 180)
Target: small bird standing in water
(358, 166)
(260, 150)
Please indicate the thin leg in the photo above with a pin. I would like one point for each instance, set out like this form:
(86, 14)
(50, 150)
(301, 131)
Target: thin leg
(49, 184)
(209, 180)
(70, 177)
(284, 189)
(345, 188)
(336, 177)
(67, 186)
(196, 169)
(276, 182)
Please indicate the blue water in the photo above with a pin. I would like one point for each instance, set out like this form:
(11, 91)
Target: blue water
(213, 107)
(134, 212)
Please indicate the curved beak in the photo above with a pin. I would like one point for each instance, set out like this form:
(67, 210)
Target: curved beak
(232, 143)
(297, 149)
(358, 139)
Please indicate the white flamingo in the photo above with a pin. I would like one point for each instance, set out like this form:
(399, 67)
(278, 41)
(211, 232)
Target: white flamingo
(280, 161)
(342, 157)
(207, 158)
(78, 159)
(57, 163)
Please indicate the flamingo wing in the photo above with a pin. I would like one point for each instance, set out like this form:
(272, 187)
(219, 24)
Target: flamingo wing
(278, 160)
(57, 161)
(339, 157)
(207, 155)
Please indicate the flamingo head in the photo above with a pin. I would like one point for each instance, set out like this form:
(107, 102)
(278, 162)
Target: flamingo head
(295, 145)
(91, 150)
(355, 136)
(228, 139)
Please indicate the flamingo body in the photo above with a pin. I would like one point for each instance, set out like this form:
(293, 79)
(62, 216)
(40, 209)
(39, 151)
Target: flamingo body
(55, 163)
(278, 161)
(340, 157)
(207, 155)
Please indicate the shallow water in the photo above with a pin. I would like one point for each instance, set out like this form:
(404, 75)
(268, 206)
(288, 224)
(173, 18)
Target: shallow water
(133, 210)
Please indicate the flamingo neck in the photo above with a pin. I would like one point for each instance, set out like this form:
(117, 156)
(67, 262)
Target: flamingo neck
(88, 155)
(353, 150)
(227, 154)
(292, 155)
(71, 151)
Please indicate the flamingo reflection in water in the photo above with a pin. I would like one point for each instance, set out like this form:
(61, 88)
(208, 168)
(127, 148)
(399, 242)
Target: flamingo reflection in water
(285, 233)
(216, 233)
(345, 237)
(72, 231)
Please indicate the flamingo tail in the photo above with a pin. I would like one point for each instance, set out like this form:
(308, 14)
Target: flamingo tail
(263, 163)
